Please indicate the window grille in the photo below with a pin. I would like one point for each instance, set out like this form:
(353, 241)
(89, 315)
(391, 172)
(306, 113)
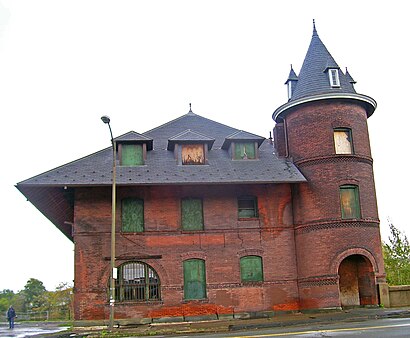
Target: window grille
(137, 282)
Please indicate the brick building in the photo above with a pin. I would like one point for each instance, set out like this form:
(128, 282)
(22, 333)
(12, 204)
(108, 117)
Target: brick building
(212, 220)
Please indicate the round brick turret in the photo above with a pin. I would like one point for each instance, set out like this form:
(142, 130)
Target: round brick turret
(323, 129)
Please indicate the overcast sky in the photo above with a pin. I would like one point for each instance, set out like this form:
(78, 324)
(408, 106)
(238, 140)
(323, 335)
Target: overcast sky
(64, 64)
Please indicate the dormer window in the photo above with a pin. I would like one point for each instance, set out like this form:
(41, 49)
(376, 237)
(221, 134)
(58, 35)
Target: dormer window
(192, 154)
(243, 145)
(244, 151)
(190, 147)
(132, 149)
(334, 77)
(131, 154)
(290, 90)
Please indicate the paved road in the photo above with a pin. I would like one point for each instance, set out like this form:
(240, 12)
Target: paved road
(380, 328)
(27, 330)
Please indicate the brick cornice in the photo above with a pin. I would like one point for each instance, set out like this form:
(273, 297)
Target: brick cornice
(332, 224)
(318, 281)
(333, 159)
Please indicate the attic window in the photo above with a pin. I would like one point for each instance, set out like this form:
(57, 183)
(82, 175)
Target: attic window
(290, 89)
(244, 151)
(131, 154)
(334, 77)
(193, 154)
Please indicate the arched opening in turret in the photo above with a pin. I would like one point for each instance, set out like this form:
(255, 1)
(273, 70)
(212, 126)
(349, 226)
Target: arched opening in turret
(357, 284)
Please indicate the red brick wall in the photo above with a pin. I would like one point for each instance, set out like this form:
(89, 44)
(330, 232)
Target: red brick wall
(223, 242)
(320, 233)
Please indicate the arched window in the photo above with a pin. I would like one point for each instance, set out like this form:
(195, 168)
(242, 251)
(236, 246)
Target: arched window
(137, 281)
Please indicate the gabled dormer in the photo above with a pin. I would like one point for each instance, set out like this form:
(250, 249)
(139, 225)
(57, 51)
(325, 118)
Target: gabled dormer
(291, 82)
(132, 148)
(242, 145)
(332, 71)
(190, 147)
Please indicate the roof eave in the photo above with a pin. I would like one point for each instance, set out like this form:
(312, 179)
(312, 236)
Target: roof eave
(370, 103)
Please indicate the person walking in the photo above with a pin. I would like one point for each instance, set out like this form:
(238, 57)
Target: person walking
(11, 315)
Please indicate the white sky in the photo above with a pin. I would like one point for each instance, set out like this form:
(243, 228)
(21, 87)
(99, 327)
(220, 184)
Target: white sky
(64, 64)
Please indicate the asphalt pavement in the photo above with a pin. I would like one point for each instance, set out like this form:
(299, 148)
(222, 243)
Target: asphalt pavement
(211, 326)
(280, 320)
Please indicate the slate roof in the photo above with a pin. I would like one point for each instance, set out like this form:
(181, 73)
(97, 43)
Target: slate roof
(312, 83)
(313, 77)
(49, 191)
(161, 168)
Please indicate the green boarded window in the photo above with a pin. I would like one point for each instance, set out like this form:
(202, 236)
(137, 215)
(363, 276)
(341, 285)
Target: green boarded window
(251, 269)
(191, 214)
(132, 154)
(132, 215)
(247, 207)
(194, 279)
(349, 201)
(245, 151)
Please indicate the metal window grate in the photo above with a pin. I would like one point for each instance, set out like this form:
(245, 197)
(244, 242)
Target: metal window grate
(137, 282)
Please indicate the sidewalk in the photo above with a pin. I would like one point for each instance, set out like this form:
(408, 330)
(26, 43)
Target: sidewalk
(281, 320)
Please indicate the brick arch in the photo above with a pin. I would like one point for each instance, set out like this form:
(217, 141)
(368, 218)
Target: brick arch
(348, 181)
(341, 123)
(193, 254)
(160, 270)
(334, 268)
(250, 252)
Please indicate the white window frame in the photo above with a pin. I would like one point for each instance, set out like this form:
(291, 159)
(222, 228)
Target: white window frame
(334, 77)
(289, 90)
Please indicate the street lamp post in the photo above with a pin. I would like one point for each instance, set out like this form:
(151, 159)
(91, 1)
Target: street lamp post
(106, 120)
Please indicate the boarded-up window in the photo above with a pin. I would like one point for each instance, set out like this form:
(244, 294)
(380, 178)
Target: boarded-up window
(132, 154)
(247, 207)
(193, 154)
(245, 151)
(251, 269)
(349, 200)
(343, 141)
(132, 215)
(191, 214)
(137, 282)
(194, 279)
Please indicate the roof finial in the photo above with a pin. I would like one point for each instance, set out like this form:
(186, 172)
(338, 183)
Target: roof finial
(314, 28)
(190, 108)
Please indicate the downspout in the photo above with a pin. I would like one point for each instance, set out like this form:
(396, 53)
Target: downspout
(285, 130)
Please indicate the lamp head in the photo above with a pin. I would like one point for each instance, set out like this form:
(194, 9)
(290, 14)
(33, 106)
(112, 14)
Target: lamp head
(105, 119)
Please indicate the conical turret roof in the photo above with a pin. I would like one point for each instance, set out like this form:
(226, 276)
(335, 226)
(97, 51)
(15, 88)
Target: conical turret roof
(321, 78)
(313, 77)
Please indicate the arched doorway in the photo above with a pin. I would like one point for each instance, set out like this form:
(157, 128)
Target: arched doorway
(357, 283)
